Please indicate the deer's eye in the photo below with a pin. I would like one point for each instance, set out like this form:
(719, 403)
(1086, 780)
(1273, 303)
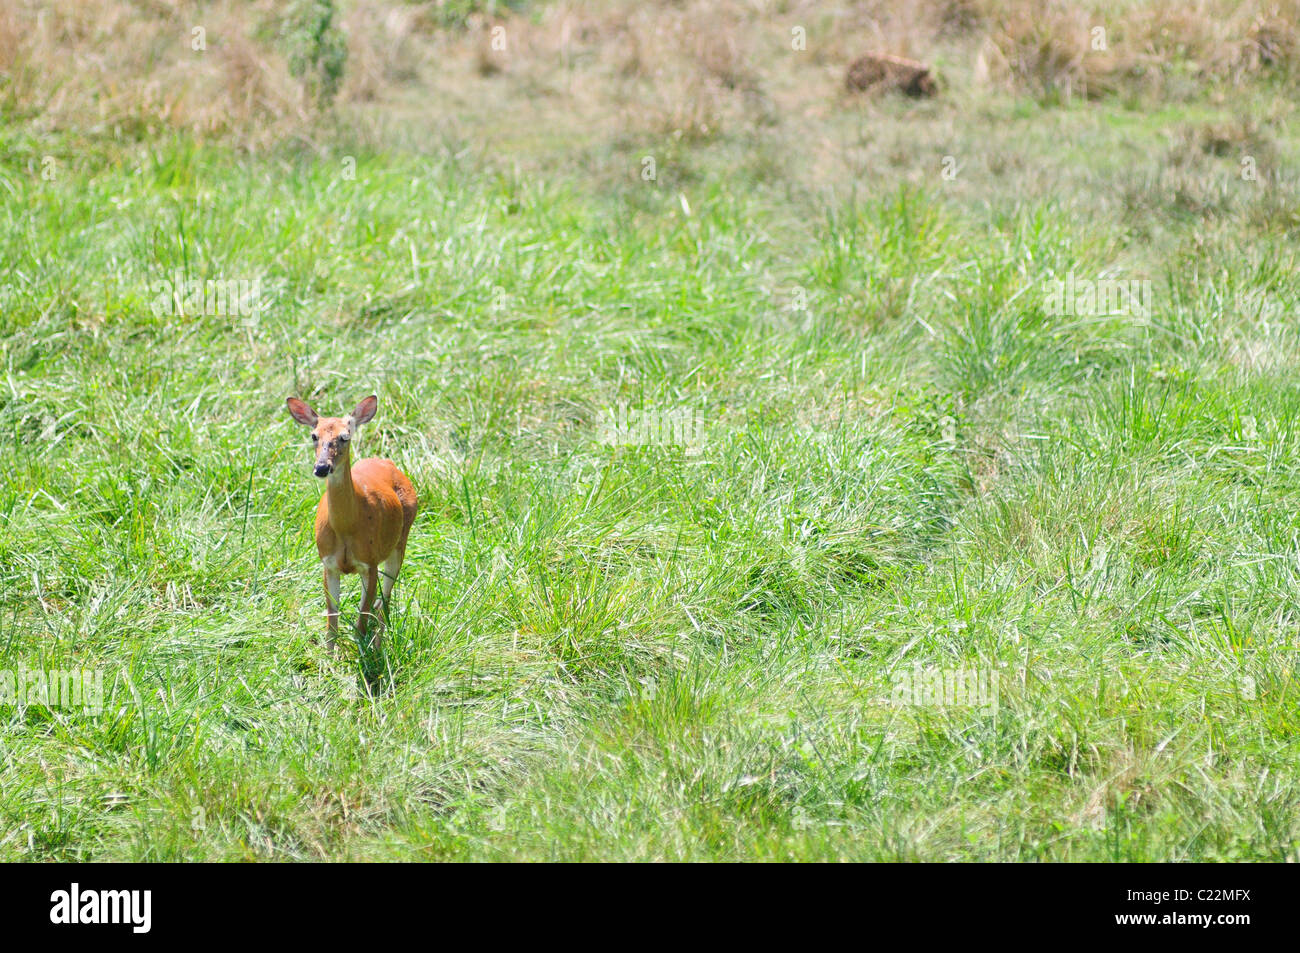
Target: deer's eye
(314, 438)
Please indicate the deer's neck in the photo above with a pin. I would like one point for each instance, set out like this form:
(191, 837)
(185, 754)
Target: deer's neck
(342, 496)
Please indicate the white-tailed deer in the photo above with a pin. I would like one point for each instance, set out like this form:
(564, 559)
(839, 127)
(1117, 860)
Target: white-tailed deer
(365, 515)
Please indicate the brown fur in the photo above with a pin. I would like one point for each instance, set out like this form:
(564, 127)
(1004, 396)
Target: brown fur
(365, 514)
(373, 508)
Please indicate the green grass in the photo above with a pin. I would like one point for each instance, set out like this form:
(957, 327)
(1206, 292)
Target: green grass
(630, 652)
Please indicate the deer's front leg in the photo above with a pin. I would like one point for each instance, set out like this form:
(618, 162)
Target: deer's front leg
(369, 585)
(331, 608)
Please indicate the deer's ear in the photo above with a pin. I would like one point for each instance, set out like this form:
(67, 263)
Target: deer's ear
(365, 411)
(301, 412)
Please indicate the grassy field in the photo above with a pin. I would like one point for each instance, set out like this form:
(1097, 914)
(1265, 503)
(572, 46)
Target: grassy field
(909, 467)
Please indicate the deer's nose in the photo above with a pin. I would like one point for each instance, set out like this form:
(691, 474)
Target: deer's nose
(323, 469)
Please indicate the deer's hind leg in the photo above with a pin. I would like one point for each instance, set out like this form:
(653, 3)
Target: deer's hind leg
(392, 566)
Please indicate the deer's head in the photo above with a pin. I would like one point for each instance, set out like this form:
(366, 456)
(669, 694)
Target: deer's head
(330, 436)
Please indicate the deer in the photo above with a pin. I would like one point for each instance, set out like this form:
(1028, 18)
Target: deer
(363, 518)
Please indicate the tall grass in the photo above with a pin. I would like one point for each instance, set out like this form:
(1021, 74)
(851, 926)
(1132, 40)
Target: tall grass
(910, 467)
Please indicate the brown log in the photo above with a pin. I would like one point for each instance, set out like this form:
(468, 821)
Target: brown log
(881, 72)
